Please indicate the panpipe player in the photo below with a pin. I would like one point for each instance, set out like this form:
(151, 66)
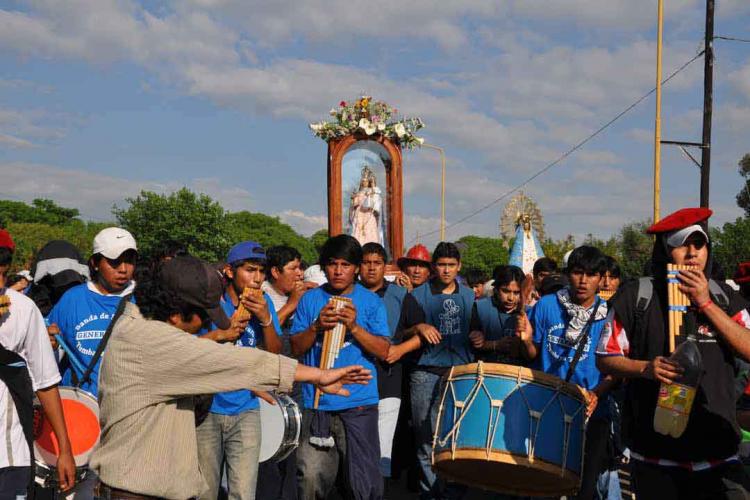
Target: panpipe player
(702, 462)
(340, 430)
(152, 372)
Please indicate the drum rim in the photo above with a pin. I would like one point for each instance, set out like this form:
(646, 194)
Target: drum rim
(525, 374)
(441, 458)
(290, 438)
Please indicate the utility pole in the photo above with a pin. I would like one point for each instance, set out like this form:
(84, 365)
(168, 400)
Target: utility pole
(657, 119)
(708, 89)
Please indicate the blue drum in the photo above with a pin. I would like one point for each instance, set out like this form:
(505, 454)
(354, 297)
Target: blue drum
(510, 429)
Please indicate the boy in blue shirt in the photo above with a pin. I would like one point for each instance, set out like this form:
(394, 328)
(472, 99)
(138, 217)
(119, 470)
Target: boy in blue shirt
(231, 433)
(560, 324)
(447, 307)
(341, 430)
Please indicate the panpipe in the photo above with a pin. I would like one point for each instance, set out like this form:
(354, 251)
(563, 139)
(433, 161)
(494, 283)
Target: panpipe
(4, 303)
(241, 313)
(333, 341)
(678, 302)
(606, 294)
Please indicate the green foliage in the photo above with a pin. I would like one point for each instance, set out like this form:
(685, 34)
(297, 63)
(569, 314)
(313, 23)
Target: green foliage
(317, 240)
(609, 247)
(556, 250)
(743, 197)
(635, 248)
(195, 220)
(481, 253)
(731, 244)
(41, 211)
(31, 236)
(268, 231)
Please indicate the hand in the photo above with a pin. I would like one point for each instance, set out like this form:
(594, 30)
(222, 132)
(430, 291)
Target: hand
(297, 292)
(236, 328)
(328, 317)
(592, 399)
(53, 330)
(403, 280)
(477, 339)
(66, 470)
(265, 396)
(429, 333)
(348, 316)
(310, 285)
(662, 370)
(258, 306)
(695, 285)
(523, 328)
(511, 345)
(332, 381)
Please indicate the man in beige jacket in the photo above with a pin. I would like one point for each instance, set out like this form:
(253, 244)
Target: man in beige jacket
(151, 372)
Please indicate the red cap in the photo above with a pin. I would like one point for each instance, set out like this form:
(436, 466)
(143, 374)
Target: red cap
(743, 273)
(417, 252)
(6, 241)
(680, 219)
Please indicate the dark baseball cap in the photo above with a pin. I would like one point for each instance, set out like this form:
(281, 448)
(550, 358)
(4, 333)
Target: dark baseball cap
(198, 284)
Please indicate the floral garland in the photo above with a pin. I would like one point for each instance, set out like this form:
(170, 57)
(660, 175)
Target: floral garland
(371, 118)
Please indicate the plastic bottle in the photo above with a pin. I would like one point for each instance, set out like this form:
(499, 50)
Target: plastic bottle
(676, 399)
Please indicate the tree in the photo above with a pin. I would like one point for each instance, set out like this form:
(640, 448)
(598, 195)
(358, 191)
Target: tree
(611, 247)
(268, 231)
(731, 244)
(556, 250)
(743, 197)
(318, 239)
(41, 211)
(635, 248)
(197, 221)
(30, 237)
(481, 253)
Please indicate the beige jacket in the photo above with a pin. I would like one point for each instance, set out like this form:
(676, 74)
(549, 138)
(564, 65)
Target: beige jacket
(148, 377)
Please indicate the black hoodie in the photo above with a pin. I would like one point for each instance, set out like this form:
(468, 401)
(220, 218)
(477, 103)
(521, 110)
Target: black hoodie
(712, 432)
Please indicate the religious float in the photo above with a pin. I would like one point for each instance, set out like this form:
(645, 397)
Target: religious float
(365, 179)
(522, 221)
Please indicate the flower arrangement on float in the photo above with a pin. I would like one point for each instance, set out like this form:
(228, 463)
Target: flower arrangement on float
(370, 118)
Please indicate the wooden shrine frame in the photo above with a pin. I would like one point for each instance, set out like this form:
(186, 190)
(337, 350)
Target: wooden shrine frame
(337, 148)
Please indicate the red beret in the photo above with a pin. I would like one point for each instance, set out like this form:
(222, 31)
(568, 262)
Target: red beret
(6, 241)
(680, 219)
(743, 273)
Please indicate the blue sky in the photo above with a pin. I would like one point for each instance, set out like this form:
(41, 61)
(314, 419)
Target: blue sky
(100, 99)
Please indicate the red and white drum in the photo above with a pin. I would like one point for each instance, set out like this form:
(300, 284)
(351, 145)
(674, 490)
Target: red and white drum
(81, 413)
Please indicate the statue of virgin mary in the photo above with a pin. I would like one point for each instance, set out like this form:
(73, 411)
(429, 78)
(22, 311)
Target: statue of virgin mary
(365, 210)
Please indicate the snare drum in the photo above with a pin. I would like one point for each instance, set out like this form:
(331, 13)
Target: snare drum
(81, 414)
(510, 429)
(280, 427)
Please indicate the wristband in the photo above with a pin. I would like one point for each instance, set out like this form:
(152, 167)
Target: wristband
(706, 304)
(270, 320)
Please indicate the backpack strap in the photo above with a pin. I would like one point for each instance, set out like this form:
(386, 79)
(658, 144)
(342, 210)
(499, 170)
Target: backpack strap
(719, 295)
(645, 293)
(581, 344)
(100, 348)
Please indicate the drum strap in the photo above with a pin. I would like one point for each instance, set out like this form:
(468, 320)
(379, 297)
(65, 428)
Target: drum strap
(100, 349)
(581, 344)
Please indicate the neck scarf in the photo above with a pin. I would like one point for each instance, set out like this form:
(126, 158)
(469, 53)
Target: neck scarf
(578, 316)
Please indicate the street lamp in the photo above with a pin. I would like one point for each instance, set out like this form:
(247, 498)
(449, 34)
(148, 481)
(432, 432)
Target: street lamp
(442, 188)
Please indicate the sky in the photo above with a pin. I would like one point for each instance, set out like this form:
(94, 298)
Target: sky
(100, 99)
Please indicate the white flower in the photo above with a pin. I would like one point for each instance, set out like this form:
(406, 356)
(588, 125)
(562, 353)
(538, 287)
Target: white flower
(399, 129)
(316, 127)
(420, 140)
(332, 112)
(368, 127)
(381, 126)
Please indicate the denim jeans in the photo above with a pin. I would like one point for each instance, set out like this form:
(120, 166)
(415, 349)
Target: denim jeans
(233, 440)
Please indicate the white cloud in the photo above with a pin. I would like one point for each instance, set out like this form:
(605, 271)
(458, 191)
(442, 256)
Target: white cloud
(14, 142)
(302, 222)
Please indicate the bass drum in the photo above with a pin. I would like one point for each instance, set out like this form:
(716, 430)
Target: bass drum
(280, 427)
(81, 414)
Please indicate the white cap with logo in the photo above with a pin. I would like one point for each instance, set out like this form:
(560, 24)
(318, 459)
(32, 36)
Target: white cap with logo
(112, 242)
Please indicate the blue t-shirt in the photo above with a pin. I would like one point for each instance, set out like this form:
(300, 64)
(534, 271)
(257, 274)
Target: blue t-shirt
(549, 320)
(236, 402)
(371, 316)
(83, 316)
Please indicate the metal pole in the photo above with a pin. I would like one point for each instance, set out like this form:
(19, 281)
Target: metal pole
(442, 188)
(708, 85)
(657, 120)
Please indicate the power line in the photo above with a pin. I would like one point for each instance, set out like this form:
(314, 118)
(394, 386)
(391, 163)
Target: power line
(567, 153)
(732, 39)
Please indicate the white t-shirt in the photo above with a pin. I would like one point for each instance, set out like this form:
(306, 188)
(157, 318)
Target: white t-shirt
(279, 299)
(23, 332)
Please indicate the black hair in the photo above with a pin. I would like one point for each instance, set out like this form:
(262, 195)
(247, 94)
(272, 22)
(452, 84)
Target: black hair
(6, 256)
(377, 248)
(553, 283)
(446, 250)
(12, 280)
(342, 246)
(544, 265)
(171, 249)
(588, 259)
(239, 263)
(504, 275)
(157, 302)
(475, 277)
(612, 267)
(279, 256)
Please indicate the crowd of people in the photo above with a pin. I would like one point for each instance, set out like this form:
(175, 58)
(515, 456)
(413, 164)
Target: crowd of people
(180, 352)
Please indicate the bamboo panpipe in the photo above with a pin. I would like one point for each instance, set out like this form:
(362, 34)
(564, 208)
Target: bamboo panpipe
(678, 302)
(242, 313)
(333, 341)
(606, 294)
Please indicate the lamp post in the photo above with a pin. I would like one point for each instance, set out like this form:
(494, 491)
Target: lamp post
(442, 187)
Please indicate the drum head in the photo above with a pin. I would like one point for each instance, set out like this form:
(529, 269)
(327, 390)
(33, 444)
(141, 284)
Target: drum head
(81, 413)
(273, 428)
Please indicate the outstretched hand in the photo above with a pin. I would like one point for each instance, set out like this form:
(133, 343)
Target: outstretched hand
(332, 381)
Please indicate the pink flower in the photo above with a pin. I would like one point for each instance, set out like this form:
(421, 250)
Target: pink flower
(342, 104)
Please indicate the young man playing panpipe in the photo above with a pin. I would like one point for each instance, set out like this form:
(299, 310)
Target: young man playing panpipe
(340, 430)
(702, 462)
(231, 433)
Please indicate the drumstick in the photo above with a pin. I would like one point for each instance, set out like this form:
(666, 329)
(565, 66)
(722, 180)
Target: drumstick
(74, 362)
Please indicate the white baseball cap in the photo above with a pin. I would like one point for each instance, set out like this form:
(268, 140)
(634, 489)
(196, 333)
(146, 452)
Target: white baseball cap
(112, 242)
(677, 238)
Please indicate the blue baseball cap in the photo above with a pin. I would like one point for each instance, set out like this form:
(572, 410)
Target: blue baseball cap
(246, 250)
